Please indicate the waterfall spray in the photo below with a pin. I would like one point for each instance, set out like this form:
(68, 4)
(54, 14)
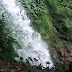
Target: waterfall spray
(30, 40)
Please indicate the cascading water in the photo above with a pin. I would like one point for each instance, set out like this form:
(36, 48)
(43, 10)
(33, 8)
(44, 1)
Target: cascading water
(30, 41)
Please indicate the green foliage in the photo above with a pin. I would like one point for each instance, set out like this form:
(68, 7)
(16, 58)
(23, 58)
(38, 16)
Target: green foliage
(61, 43)
(61, 65)
(3, 14)
(61, 14)
(35, 59)
(27, 62)
(30, 59)
(6, 43)
(34, 67)
(47, 62)
(40, 19)
(52, 19)
(21, 58)
(48, 17)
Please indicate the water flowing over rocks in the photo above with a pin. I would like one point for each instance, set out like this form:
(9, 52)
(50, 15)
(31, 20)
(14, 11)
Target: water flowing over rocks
(29, 40)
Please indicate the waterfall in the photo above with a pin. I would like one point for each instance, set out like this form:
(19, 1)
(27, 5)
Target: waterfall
(30, 40)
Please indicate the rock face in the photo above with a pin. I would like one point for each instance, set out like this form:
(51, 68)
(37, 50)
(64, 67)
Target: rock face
(63, 55)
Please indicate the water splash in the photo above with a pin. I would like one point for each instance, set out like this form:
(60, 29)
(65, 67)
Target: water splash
(30, 41)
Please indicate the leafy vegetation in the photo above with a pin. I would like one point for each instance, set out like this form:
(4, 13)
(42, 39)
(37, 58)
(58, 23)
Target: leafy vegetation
(6, 43)
(61, 65)
(60, 11)
(51, 18)
(40, 19)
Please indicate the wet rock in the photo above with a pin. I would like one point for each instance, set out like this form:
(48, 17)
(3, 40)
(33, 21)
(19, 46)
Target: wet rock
(63, 55)
(70, 67)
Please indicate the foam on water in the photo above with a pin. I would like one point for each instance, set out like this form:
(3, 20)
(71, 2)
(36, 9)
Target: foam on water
(30, 41)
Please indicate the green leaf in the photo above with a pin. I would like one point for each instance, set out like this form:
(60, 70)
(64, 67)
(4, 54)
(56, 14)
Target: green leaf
(3, 14)
(61, 65)
(21, 58)
(35, 59)
(30, 58)
(27, 62)
(47, 62)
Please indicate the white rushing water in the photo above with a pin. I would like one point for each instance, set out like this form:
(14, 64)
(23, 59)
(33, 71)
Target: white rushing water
(30, 40)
